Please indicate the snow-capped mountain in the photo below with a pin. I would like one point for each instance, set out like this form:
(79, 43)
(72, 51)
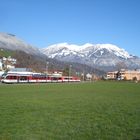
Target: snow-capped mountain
(103, 56)
(11, 42)
(99, 56)
(87, 50)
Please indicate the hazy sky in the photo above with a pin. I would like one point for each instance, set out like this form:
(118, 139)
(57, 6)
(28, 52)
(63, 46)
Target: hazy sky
(46, 22)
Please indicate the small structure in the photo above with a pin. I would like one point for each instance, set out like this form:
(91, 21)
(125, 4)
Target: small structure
(88, 77)
(111, 75)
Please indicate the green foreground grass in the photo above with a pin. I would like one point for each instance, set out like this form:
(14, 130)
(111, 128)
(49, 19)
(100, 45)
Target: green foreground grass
(84, 111)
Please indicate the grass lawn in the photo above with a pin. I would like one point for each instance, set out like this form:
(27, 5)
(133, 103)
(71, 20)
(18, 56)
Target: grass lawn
(81, 111)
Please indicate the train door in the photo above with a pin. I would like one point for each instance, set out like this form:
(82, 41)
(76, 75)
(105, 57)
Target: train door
(23, 79)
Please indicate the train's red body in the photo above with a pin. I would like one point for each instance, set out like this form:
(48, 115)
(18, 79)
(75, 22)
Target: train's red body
(29, 77)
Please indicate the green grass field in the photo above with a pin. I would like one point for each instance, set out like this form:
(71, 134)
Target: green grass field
(81, 111)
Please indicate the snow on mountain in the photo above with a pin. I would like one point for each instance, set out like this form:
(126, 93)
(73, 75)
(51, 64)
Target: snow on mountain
(64, 49)
(99, 55)
(112, 49)
(11, 42)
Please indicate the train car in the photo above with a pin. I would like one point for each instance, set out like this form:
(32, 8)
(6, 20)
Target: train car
(38, 78)
(16, 77)
(30, 77)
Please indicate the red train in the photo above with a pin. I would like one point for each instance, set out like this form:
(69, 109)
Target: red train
(30, 77)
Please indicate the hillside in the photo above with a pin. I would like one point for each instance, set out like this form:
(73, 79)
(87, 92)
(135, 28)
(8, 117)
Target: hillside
(39, 63)
(6, 53)
(31, 57)
(11, 42)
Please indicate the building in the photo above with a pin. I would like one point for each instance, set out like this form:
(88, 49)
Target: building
(9, 59)
(124, 75)
(131, 75)
(8, 63)
(111, 75)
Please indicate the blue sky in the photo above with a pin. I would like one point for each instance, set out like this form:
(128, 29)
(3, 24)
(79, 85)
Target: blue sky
(46, 22)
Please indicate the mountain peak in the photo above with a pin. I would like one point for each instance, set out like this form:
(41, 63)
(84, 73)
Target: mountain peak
(114, 49)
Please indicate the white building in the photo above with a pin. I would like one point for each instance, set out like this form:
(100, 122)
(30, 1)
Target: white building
(88, 77)
(10, 66)
(9, 63)
(9, 59)
(1, 65)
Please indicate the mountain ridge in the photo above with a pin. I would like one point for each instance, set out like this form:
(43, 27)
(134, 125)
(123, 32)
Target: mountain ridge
(86, 48)
(102, 56)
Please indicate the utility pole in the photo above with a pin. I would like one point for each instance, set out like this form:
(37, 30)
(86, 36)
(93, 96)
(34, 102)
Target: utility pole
(69, 71)
(83, 76)
(47, 65)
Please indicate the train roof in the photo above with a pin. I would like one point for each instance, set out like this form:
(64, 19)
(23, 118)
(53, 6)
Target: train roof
(16, 72)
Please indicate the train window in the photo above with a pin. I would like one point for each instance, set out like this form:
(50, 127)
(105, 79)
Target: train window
(22, 78)
(54, 78)
(14, 77)
(39, 77)
(11, 77)
(8, 77)
(66, 78)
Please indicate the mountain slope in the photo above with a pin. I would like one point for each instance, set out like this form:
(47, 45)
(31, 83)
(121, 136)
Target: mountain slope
(103, 56)
(31, 57)
(11, 42)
